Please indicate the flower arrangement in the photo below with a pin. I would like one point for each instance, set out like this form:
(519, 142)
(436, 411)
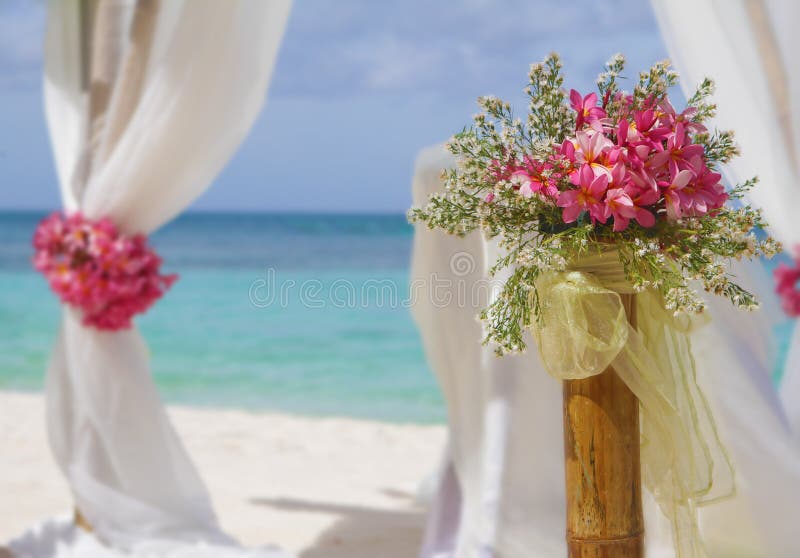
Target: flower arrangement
(110, 277)
(787, 278)
(586, 171)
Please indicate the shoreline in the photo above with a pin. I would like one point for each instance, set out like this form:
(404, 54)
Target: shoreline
(211, 407)
(316, 486)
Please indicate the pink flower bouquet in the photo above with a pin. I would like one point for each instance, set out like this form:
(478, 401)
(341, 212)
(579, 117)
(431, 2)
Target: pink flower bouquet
(583, 171)
(109, 277)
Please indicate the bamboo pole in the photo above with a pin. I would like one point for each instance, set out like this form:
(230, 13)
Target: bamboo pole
(111, 74)
(81, 522)
(602, 464)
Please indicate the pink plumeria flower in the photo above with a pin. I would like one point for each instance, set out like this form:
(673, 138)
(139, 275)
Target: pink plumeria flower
(786, 286)
(644, 193)
(670, 117)
(620, 206)
(528, 185)
(587, 110)
(501, 170)
(678, 151)
(630, 146)
(567, 149)
(587, 197)
(595, 149)
(618, 175)
(545, 188)
(703, 194)
(521, 182)
(636, 129)
(649, 126)
(671, 192)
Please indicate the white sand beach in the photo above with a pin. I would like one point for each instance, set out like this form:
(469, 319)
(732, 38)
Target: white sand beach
(321, 487)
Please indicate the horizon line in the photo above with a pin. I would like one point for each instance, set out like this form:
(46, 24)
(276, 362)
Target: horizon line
(203, 211)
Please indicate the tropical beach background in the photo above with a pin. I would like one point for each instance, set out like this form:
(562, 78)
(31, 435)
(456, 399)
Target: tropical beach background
(302, 313)
(318, 191)
(293, 312)
(314, 414)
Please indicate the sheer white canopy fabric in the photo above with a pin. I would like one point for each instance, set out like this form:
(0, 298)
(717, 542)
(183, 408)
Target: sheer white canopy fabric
(749, 48)
(502, 493)
(146, 101)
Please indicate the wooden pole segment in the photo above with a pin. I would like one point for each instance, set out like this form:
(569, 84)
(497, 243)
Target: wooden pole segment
(603, 471)
(81, 522)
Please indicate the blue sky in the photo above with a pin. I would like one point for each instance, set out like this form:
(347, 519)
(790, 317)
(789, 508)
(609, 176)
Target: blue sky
(359, 88)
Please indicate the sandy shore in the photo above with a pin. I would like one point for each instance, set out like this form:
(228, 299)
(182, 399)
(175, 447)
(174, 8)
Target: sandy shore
(319, 487)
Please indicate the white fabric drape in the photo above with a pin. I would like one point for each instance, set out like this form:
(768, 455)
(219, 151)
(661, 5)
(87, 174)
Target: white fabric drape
(506, 446)
(505, 482)
(146, 101)
(749, 48)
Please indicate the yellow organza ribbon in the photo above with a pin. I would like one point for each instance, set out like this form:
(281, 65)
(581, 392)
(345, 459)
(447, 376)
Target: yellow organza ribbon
(584, 328)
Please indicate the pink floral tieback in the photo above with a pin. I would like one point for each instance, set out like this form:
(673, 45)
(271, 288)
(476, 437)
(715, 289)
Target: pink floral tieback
(786, 285)
(91, 266)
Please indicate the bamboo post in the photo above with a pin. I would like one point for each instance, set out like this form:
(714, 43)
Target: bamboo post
(81, 522)
(109, 69)
(602, 463)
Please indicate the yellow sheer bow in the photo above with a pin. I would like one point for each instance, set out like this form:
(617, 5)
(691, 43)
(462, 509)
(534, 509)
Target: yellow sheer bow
(583, 329)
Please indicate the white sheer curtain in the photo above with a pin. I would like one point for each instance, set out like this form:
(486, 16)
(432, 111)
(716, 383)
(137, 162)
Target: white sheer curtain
(146, 101)
(502, 493)
(750, 47)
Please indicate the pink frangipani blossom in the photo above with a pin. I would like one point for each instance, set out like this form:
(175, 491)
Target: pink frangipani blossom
(670, 190)
(89, 265)
(619, 205)
(587, 197)
(586, 108)
(786, 285)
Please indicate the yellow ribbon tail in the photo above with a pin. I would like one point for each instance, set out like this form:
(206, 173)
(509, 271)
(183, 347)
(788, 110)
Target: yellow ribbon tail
(583, 328)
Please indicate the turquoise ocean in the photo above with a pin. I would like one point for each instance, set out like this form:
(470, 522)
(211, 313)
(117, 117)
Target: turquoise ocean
(297, 313)
(304, 314)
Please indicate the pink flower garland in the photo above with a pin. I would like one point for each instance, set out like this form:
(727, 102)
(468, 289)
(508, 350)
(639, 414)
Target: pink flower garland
(786, 285)
(91, 266)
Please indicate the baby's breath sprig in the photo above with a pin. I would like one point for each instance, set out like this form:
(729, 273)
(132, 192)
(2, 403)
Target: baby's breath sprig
(700, 100)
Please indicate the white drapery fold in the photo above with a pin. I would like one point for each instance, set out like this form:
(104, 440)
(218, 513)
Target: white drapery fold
(503, 491)
(505, 482)
(146, 100)
(749, 48)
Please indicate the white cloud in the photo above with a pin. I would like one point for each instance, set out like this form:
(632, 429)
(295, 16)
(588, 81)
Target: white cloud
(353, 47)
(389, 62)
